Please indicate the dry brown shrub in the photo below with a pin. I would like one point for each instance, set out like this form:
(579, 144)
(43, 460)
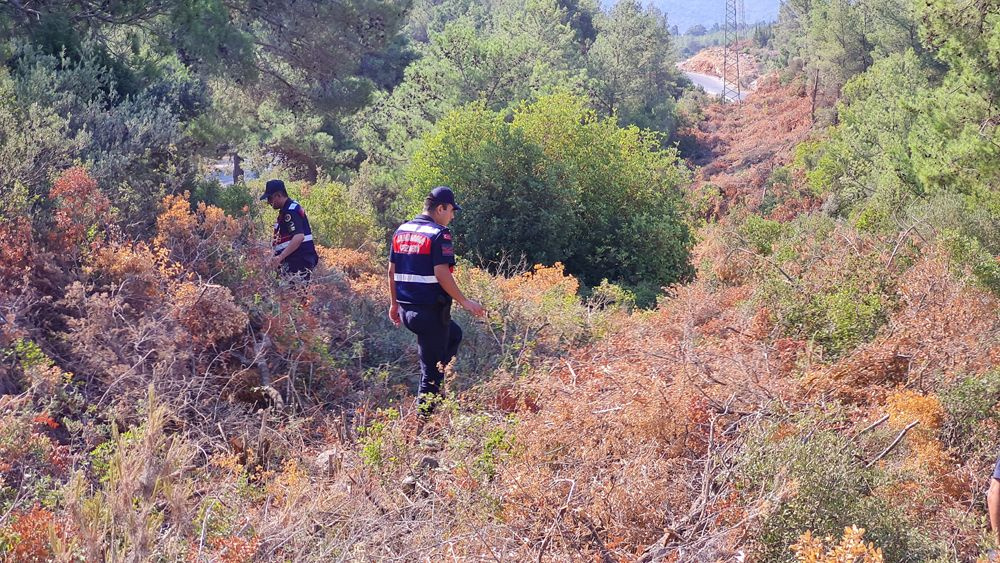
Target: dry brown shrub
(943, 327)
(738, 149)
(946, 324)
(25, 448)
(611, 453)
(872, 365)
(235, 549)
(617, 446)
(207, 312)
(15, 257)
(717, 258)
(199, 240)
(928, 457)
(136, 271)
(352, 263)
(123, 355)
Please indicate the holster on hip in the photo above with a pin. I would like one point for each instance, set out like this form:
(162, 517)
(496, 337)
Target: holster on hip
(444, 304)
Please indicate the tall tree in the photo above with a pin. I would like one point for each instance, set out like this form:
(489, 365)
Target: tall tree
(631, 67)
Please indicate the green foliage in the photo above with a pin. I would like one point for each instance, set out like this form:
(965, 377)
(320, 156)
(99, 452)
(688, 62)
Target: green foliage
(237, 200)
(498, 56)
(839, 317)
(631, 67)
(604, 199)
(29, 354)
(817, 484)
(498, 444)
(610, 297)
(837, 307)
(102, 456)
(136, 147)
(36, 141)
(376, 439)
(761, 234)
(866, 160)
(510, 198)
(839, 39)
(972, 422)
(337, 219)
(522, 52)
(970, 252)
(629, 225)
(851, 316)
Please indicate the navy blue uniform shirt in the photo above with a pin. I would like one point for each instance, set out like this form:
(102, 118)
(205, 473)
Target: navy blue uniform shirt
(292, 221)
(417, 246)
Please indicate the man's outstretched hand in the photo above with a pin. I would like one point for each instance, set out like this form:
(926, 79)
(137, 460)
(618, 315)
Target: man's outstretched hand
(475, 308)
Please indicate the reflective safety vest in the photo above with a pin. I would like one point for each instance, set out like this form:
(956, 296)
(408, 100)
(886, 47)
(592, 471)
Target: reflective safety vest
(417, 246)
(292, 221)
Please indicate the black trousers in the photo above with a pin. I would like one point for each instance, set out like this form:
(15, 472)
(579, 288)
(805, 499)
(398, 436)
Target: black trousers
(296, 268)
(438, 338)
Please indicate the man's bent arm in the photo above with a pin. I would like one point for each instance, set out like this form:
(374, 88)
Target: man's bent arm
(293, 245)
(993, 505)
(443, 274)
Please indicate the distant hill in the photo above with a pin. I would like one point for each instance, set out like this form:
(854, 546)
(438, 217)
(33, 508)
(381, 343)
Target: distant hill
(687, 13)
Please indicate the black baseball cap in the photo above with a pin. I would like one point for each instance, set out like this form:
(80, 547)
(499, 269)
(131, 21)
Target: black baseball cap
(443, 194)
(273, 187)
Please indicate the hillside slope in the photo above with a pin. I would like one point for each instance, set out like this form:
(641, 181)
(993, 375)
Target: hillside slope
(812, 377)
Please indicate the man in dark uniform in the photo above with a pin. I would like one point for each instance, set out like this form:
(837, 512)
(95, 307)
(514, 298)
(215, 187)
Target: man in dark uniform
(422, 289)
(294, 251)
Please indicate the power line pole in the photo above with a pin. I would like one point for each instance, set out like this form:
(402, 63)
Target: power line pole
(731, 52)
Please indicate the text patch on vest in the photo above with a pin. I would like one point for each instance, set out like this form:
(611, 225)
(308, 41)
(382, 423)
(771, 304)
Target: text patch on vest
(411, 243)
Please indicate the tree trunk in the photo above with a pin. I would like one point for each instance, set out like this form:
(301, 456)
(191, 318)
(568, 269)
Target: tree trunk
(237, 169)
(812, 114)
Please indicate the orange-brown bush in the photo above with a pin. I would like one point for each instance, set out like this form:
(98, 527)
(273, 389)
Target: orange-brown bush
(851, 547)
(207, 312)
(29, 535)
(200, 240)
(25, 448)
(738, 150)
(15, 254)
(629, 433)
(948, 326)
(135, 271)
(80, 209)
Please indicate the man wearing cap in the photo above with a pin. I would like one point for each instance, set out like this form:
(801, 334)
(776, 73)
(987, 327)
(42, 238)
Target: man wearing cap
(422, 289)
(294, 251)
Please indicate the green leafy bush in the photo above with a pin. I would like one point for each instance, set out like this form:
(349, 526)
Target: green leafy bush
(337, 219)
(818, 287)
(761, 233)
(810, 480)
(604, 199)
(972, 423)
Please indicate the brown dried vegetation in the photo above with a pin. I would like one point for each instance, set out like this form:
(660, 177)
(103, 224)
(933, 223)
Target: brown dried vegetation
(183, 405)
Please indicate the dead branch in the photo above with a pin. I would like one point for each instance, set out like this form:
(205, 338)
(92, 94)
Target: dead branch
(894, 443)
(559, 515)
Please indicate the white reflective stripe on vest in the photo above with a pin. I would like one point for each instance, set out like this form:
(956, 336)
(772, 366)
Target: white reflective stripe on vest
(411, 228)
(414, 278)
(285, 244)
